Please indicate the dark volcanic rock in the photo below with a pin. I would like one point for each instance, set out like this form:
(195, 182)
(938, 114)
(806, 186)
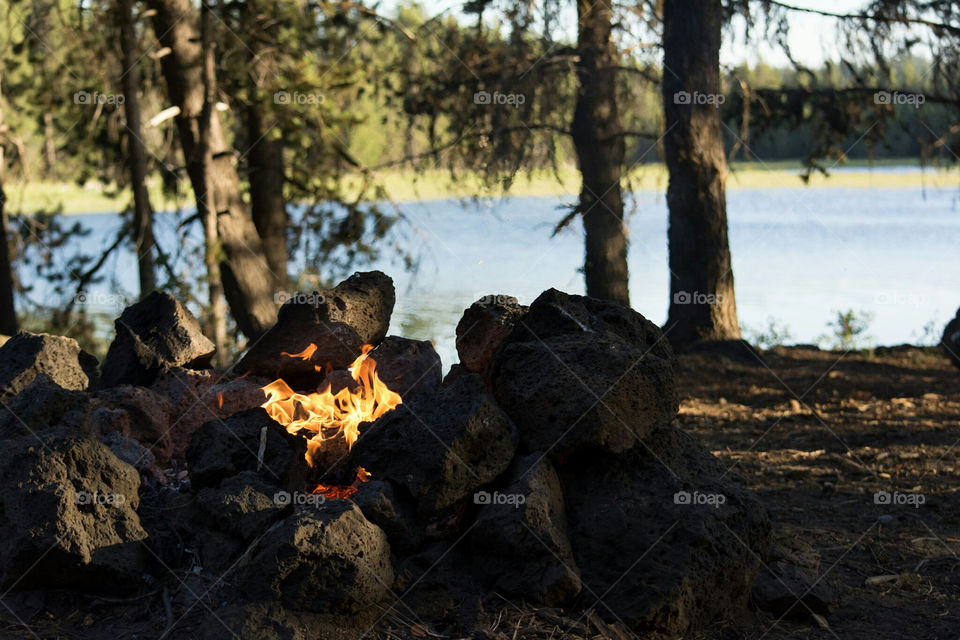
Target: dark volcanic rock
(134, 412)
(328, 559)
(520, 539)
(382, 506)
(483, 327)
(950, 342)
(223, 448)
(244, 505)
(337, 322)
(408, 366)
(68, 514)
(27, 355)
(582, 372)
(153, 334)
(42, 404)
(681, 543)
(441, 446)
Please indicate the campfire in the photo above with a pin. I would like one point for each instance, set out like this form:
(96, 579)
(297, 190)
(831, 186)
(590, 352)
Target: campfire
(330, 420)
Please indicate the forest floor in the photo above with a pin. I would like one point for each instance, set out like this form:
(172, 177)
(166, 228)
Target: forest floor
(815, 434)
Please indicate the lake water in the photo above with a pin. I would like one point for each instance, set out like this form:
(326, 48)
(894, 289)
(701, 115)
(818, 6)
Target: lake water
(799, 256)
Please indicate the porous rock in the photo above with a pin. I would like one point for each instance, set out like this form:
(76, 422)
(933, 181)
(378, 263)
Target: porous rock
(152, 334)
(27, 355)
(440, 446)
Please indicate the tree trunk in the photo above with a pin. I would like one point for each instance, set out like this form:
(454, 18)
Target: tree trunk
(142, 211)
(245, 274)
(598, 139)
(8, 312)
(265, 155)
(702, 302)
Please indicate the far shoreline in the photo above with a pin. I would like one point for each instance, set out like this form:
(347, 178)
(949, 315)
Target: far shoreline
(405, 187)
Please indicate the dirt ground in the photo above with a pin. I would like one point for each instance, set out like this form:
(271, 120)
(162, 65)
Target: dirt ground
(816, 435)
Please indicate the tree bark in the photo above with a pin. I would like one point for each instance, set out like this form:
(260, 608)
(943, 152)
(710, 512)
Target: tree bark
(137, 160)
(598, 140)
(8, 312)
(702, 302)
(265, 155)
(245, 274)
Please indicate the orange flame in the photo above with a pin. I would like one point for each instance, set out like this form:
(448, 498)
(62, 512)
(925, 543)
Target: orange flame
(324, 415)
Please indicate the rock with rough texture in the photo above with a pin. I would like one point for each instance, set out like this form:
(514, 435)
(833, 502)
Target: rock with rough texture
(323, 330)
(42, 404)
(441, 446)
(950, 342)
(408, 367)
(156, 333)
(520, 539)
(381, 505)
(243, 505)
(483, 327)
(134, 412)
(27, 355)
(581, 372)
(672, 542)
(68, 514)
(223, 448)
(327, 559)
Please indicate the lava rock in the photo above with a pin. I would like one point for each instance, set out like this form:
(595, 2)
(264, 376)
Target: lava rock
(153, 334)
(134, 412)
(134, 454)
(327, 559)
(520, 539)
(382, 506)
(223, 448)
(571, 391)
(483, 327)
(408, 367)
(950, 342)
(680, 541)
(583, 372)
(42, 404)
(244, 505)
(68, 514)
(328, 327)
(440, 446)
(363, 301)
(27, 355)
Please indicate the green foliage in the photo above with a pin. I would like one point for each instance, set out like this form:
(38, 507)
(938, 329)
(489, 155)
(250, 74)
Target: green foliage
(774, 334)
(848, 330)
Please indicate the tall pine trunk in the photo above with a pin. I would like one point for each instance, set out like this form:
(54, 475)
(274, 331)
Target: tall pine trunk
(245, 275)
(598, 139)
(137, 161)
(702, 302)
(8, 312)
(265, 155)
